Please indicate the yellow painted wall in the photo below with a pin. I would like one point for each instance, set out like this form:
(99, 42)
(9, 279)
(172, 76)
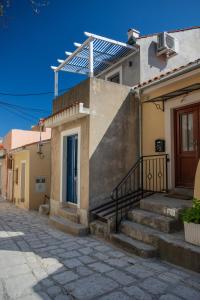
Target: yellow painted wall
(18, 157)
(39, 166)
(153, 127)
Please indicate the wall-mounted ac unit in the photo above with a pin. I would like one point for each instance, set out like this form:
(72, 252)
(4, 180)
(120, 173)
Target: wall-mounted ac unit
(166, 45)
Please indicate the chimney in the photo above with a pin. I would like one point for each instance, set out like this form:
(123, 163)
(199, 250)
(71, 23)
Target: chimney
(133, 34)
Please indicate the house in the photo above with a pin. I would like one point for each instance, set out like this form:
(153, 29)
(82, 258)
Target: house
(102, 131)
(17, 138)
(31, 174)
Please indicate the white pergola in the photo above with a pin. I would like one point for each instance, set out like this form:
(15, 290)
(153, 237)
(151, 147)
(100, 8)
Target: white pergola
(94, 56)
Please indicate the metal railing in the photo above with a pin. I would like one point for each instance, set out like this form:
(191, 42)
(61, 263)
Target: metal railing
(149, 175)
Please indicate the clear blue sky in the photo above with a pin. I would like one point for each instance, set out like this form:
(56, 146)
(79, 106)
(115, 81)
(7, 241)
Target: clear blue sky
(32, 43)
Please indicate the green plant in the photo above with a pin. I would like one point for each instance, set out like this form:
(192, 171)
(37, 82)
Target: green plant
(192, 214)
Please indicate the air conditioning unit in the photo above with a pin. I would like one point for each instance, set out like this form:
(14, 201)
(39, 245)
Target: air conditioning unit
(167, 45)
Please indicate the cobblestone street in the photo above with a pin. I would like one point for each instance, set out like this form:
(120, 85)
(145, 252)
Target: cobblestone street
(38, 262)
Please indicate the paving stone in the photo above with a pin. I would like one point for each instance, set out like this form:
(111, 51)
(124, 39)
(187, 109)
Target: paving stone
(115, 254)
(62, 297)
(14, 271)
(101, 267)
(83, 271)
(186, 292)
(169, 297)
(65, 277)
(121, 277)
(137, 293)
(154, 286)
(54, 291)
(91, 287)
(20, 285)
(117, 262)
(86, 259)
(139, 271)
(170, 277)
(70, 254)
(47, 282)
(103, 248)
(155, 266)
(115, 296)
(72, 263)
(86, 250)
(101, 256)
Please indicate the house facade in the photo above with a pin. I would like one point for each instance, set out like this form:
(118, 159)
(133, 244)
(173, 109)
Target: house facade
(31, 174)
(170, 113)
(17, 138)
(101, 127)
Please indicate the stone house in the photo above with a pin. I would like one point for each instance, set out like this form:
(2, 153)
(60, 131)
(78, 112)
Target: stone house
(104, 136)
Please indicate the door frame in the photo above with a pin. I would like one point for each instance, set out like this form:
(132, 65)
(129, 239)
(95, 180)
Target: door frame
(177, 139)
(66, 133)
(170, 105)
(20, 183)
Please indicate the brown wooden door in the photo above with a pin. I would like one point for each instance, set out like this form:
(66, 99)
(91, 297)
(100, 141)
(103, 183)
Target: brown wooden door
(187, 134)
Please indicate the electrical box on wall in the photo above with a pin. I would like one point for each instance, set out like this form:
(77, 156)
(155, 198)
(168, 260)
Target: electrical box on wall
(159, 145)
(40, 184)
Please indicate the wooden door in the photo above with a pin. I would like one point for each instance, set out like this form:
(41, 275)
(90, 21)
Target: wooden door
(187, 134)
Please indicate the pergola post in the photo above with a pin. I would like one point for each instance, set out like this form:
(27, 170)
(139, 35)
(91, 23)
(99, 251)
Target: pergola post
(56, 84)
(91, 59)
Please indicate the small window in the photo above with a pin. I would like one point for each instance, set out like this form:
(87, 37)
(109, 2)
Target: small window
(114, 78)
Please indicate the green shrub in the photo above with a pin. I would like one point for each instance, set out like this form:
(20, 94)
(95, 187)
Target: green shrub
(192, 215)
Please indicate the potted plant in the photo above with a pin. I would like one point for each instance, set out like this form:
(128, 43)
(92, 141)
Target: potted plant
(191, 219)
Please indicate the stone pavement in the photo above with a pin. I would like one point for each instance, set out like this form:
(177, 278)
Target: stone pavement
(38, 262)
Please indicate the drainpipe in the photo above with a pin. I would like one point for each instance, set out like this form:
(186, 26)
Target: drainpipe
(137, 96)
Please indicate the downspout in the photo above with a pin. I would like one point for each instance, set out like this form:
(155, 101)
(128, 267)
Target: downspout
(137, 95)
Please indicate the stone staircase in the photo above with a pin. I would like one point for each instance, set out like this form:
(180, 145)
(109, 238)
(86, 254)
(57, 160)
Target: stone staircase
(155, 229)
(67, 220)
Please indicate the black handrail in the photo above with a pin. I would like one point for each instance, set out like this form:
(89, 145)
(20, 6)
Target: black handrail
(148, 175)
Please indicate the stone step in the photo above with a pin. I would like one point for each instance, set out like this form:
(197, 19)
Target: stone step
(134, 246)
(140, 232)
(68, 226)
(69, 213)
(160, 204)
(100, 229)
(154, 220)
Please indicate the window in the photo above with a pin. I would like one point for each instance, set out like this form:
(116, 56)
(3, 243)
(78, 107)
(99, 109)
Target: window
(115, 75)
(114, 78)
(187, 132)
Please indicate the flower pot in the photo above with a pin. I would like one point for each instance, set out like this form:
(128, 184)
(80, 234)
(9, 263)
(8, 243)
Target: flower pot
(192, 233)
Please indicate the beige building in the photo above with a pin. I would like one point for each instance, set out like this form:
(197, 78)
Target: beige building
(111, 143)
(31, 174)
(85, 165)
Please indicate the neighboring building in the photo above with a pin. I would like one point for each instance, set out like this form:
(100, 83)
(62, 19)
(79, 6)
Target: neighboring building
(31, 170)
(171, 113)
(14, 139)
(100, 129)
